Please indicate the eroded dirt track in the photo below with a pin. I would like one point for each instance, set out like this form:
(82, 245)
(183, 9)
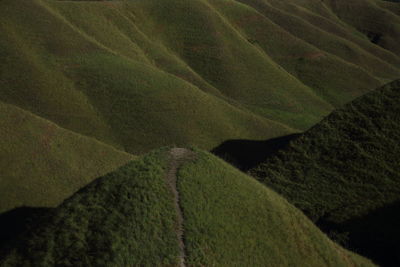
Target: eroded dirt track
(178, 156)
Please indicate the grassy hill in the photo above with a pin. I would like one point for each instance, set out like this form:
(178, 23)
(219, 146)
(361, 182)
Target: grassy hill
(42, 164)
(125, 218)
(128, 218)
(85, 83)
(343, 173)
(130, 73)
(383, 30)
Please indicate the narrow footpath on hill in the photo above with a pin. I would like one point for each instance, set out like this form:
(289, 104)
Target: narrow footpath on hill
(178, 157)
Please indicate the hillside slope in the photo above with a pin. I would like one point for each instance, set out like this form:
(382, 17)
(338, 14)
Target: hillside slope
(42, 164)
(128, 218)
(343, 173)
(130, 73)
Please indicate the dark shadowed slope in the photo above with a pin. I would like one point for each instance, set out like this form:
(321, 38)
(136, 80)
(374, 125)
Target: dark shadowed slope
(247, 154)
(41, 163)
(128, 218)
(130, 73)
(344, 168)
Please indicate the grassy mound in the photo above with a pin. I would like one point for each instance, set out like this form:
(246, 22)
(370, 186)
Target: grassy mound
(346, 168)
(130, 73)
(128, 218)
(125, 218)
(42, 164)
(230, 219)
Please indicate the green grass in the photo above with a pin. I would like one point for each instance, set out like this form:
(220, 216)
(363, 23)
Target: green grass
(130, 73)
(83, 81)
(345, 168)
(125, 218)
(42, 164)
(337, 69)
(385, 25)
(232, 220)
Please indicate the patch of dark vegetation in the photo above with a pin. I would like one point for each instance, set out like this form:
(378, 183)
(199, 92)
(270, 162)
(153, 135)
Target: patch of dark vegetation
(343, 170)
(20, 221)
(246, 154)
(373, 37)
(252, 41)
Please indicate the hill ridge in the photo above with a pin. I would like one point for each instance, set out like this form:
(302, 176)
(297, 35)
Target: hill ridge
(42, 163)
(240, 67)
(129, 218)
(344, 169)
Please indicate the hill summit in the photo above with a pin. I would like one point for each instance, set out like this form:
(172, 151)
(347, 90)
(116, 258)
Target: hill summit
(176, 207)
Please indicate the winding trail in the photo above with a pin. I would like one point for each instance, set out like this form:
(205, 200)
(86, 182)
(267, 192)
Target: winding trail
(178, 156)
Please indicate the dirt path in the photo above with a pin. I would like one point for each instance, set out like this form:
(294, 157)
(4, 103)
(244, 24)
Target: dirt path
(177, 157)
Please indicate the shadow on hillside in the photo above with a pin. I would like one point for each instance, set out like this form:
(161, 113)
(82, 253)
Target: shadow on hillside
(246, 154)
(18, 222)
(375, 236)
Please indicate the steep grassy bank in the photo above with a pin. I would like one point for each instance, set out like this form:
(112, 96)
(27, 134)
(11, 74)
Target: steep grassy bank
(42, 164)
(344, 169)
(130, 73)
(127, 218)
(231, 219)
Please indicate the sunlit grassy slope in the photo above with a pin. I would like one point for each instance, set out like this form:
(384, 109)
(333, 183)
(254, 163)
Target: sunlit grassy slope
(42, 164)
(140, 74)
(346, 168)
(230, 219)
(127, 218)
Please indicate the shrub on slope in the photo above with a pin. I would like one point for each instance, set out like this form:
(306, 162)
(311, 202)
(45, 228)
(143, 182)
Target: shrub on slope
(41, 163)
(383, 29)
(344, 168)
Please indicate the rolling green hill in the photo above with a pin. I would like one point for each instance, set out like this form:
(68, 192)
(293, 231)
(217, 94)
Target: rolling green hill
(128, 218)
(42, 164)
(85, 85)
(343, 173)
(130, 73)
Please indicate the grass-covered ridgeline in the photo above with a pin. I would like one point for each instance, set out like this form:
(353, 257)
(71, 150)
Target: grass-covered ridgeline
(383, 29)
(125, 218)
(130, 73)
(128, 218)
(232, 220)
(346, 169)
(85, 83)
(41, 163)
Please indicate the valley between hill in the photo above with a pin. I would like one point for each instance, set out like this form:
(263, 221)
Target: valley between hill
(102, 104)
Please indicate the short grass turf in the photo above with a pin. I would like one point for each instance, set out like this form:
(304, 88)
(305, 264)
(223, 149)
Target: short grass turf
(232, 220)
(42, 164)
(128, 218)
(345, 169)
(125, 218)
(130, 73)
